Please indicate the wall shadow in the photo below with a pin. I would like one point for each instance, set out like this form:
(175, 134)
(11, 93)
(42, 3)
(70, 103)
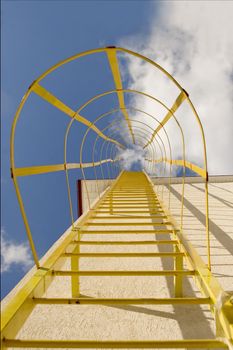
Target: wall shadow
(224, 201)
(216, 231)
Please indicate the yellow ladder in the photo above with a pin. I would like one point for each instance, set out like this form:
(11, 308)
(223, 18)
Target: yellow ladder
(129, 206)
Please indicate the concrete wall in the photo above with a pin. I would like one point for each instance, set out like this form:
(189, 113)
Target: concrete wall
(192, 179)
(94, 189)
(149, 321)
(221, 222)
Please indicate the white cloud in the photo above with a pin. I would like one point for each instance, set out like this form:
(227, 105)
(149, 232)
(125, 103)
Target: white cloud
(13, 253)
(131, 156)
(193, 41)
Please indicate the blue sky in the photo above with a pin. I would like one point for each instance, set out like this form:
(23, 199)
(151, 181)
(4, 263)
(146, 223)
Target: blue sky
(35, 36)
(38, 34)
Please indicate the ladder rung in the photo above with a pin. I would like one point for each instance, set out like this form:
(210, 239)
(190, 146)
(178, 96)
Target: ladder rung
(125, 301)
(130, 192)
(128, 217)
(124, 242)
(138, 191)
(136, 186)
(127, 223)
(123, 273)
(123, 255)
(127, 202)
(128, 206)
(136, 200)
(131, 199)
(126, 212)
(133, 196)
(116, 344)
(127, 190)
(165, 231)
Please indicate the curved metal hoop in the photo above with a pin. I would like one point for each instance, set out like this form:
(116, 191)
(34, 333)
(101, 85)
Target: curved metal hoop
(111, 53)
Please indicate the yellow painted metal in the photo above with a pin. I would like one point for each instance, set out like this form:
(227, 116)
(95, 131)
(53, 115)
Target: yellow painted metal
(131, 198)
(125, 216)
(75, 284)
(180, 99)
(19, 197)
(103, 144)
(130, 194)
(133, 205)
(184, 163)
(50, 98)
(94, 150)
(123, 273)
(125, 242)
(122, 232)
(112, 58)
(130, 186)
(123, 255)
(207, 283)
(104, 115)
(178, 265)
(132, 201)
(116, 212)
(206, 181)
(182, 137)
(74, 262)
(204, 146)
(100, 96)
(165, 133)
(131, 91)
(202, 135)
(152, 223)
(125, 301)
(20, 307)
(106, 49)
(43, 169)
(143, 137)
(119, 344)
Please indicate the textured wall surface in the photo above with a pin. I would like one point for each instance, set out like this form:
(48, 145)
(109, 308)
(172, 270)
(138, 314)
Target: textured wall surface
(94, 189)
(221, 223)
(143, 321)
